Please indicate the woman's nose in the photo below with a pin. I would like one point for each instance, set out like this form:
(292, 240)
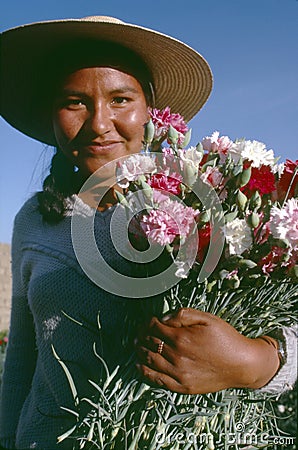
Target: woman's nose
(100, 120)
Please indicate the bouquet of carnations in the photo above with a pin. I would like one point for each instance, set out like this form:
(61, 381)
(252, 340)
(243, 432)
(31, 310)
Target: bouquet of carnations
(223, 216)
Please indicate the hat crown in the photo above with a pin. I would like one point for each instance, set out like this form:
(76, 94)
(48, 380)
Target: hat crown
(108, 19)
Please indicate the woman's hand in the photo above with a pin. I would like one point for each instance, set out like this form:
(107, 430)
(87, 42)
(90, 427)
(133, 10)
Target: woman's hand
(203, 353)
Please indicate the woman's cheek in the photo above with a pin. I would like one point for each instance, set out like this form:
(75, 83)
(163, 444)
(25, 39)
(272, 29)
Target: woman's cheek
(134, 124)
(66, 127)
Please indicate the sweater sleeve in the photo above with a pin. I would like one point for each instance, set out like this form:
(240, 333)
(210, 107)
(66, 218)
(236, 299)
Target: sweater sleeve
(21, 350)
(287, 375)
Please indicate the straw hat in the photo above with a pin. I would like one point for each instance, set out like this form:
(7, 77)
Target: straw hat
(181, 76)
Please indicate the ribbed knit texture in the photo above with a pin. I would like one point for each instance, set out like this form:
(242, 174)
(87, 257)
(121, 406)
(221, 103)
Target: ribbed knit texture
(48, 283)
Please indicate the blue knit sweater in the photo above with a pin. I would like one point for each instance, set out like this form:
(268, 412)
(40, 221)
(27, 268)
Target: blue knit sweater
(48, 287)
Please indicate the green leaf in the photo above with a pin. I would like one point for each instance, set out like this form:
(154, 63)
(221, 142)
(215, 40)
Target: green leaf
(69, 377)
(247, 263)
(66, 434)
(229, 217)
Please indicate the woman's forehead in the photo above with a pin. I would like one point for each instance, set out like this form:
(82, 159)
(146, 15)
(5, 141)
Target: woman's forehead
(110, 78)
(85, 54)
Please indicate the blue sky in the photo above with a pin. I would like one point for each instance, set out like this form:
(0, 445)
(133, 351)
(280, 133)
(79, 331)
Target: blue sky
(251, 46)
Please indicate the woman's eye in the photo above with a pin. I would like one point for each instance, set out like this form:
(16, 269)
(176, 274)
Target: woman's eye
(119, 100)
(74, 103)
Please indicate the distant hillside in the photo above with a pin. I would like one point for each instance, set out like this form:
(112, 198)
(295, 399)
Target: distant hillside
(5, 286)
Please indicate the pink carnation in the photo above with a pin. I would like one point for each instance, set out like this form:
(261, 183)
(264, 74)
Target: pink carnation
(217, 144)
(284, 222)
(162, 119)
(213, 176)
(171, 220)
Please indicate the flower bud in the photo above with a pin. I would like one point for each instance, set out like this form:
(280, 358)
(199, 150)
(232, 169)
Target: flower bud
(205, 217)
(199, 148)
(210, 445)
(241, 200)
(295, 271)
(255, 201)
(253, 220)
(147, 190)
(244, 177)
(187, 138)
(238, 168)
(190, 173)
(172, 135)
(149, 132)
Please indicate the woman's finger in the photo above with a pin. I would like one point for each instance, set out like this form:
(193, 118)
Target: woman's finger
(154, 354)
(166, 328)
(161, 379)
(186, 317)
(155, 332)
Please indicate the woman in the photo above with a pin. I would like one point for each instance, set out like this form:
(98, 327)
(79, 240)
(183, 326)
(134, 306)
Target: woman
(84, 86)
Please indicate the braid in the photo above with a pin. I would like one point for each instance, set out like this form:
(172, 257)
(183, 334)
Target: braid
(57, 186)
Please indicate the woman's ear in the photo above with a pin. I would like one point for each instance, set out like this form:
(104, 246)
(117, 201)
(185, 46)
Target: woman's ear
(149, 109)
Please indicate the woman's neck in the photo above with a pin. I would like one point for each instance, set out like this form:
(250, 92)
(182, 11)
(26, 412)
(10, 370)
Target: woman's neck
(100, 196)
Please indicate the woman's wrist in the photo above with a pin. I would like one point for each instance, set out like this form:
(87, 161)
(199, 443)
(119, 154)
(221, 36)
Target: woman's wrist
(265, 359)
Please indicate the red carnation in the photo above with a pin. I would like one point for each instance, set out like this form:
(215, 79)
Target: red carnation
(203, 241)
(287, 178)
(168, 183)
(262, 180)
(270, 262)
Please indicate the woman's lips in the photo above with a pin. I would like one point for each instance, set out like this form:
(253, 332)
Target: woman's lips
(101, 147)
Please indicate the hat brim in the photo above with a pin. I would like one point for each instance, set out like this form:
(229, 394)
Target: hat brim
(182, 77)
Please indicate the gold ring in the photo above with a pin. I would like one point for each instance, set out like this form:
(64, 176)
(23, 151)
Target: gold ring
(160, 347)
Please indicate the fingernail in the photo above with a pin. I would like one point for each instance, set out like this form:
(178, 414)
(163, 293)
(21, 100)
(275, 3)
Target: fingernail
(167, 317)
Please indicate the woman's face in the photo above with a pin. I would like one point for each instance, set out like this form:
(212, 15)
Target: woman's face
(99, 116)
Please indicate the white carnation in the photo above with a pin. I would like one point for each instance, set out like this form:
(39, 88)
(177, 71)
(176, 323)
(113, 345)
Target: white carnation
(133, 167)
(191, 155)
(278, 169)
(253, 151)
(238, 236)
(190, 160)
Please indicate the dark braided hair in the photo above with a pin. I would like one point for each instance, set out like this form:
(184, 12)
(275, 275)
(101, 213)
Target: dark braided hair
(57, 186)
